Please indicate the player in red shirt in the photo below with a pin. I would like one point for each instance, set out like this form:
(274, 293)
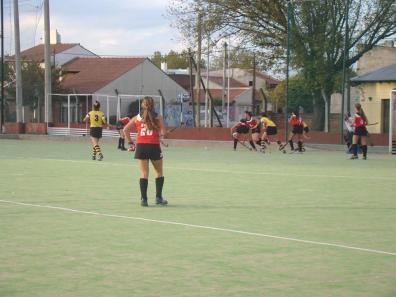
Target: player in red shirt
(150, 126)
(297, 130)
(240, 133)
(120, 126)
(254, 126)
(360, 122)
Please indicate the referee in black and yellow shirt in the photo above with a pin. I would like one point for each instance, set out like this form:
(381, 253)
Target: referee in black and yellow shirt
(96, 121)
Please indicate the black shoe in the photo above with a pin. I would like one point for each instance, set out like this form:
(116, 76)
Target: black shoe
(364, 157)
(123, 149)
(94, 158)
(282, 146)
(100, 158)
(161, 201)
(144, 203)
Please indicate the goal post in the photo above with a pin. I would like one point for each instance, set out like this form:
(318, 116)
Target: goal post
(392, 122)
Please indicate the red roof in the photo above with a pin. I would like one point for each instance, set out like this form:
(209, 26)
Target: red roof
(37, 53)
(268, 78)
(88, 75)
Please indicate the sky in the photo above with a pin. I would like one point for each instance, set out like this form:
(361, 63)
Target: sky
(105, 27)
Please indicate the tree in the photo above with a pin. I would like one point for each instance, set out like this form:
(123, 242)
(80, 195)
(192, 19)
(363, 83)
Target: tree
(174, 59)
(32, 83)
(317, 34)
(299, 94)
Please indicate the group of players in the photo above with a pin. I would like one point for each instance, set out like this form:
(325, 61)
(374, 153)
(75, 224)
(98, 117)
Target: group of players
(150, 127)
(263, 131)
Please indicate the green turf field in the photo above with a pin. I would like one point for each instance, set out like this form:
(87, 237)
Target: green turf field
(238, 224)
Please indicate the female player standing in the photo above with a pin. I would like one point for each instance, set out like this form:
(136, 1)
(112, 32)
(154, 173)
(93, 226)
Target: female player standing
(96, 121)
(297, 129)
(359, 122)
(149, 126)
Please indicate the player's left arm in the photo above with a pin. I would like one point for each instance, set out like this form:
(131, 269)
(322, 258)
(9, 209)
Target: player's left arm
(161, 126)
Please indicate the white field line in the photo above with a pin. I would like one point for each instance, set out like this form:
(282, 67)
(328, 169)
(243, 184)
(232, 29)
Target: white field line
(202, 227)
(299, 175)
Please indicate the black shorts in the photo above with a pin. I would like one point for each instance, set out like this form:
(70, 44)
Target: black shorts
(298, 129)
(360, 131)
(96, 132)
(119, 126)
(242, 130)
(148, 151)
(256, 130)
(271, 130)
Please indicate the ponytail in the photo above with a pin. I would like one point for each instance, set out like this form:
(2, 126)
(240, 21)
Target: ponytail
(149, 116)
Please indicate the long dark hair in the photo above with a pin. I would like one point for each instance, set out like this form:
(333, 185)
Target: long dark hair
(148, 114)
(360, 111)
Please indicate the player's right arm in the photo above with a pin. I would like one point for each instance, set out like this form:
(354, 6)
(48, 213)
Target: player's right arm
(128, 128)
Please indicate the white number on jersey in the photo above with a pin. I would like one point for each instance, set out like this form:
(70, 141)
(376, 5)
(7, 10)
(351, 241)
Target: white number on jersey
(144, 131)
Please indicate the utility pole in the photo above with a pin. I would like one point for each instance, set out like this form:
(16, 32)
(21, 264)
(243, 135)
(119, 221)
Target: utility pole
(18, 68)
(254, 85)
(47, 61)
(198, 73)
(224, 76)
(207, 108)
(191, 83)
(345, 77)
(287, 66)
(2, 68)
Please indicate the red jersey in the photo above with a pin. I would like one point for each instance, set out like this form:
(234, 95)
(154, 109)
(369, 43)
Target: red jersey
(295, 121)
(252, 123)
(241, 124)
(144, 135)
(358, 121)
(124, 120)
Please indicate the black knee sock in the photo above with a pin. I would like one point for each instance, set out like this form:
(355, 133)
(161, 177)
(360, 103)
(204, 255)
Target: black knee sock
(159, 184)
(123, 143)
(235, 143)
(119, 142)
(300, 146)
(258, 142)
(252, 144)
(263, 146)
(364, 149)
(291, 145)
(143, 188)
(354, 149)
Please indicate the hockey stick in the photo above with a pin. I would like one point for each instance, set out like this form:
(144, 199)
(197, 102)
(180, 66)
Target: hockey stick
(244, 145)
(167, 132)
(164, 144)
